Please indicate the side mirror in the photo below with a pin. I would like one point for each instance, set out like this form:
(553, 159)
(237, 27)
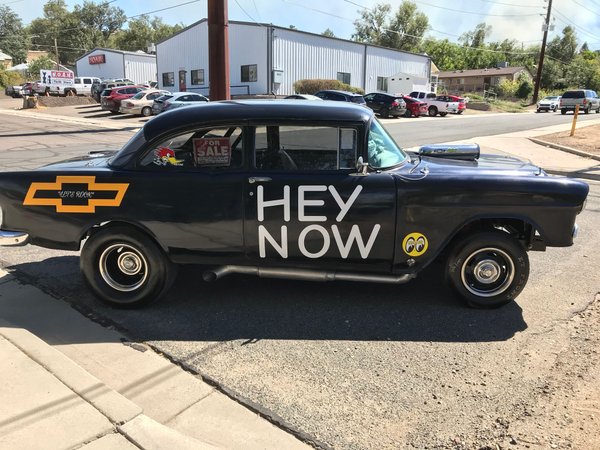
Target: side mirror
(361, 167)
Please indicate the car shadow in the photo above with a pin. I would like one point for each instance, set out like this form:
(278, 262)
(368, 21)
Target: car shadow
(95, 105)
(251, 309)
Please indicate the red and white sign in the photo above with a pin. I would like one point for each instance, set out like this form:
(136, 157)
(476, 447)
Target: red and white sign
(57, 78)
(212, 152)
(97, 59)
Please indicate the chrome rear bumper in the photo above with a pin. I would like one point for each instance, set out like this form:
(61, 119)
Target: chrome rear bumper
(13, 238)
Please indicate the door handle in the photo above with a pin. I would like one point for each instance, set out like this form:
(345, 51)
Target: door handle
(253, 180)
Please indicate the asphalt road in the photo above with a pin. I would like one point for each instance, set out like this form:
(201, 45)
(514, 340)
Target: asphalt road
(354, 366)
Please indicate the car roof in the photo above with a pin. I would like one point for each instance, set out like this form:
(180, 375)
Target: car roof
(254, 110)
(353, 94)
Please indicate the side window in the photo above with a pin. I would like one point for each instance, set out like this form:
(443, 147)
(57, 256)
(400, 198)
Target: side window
(207, 148)
(370, 97)
(299, 148)
(153, 95)
(87, 81)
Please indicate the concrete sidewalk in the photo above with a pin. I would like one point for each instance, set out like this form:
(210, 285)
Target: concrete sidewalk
(67, 382)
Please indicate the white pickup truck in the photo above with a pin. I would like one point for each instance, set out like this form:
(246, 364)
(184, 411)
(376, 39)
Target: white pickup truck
(436, 104)
(80, 86)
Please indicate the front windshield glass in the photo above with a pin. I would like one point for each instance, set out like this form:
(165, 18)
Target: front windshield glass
(139, 95)
(550, 98)
(383, 151)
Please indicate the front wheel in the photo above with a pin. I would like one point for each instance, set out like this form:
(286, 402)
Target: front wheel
(432, 111)
(443, 114)
(125, 268)
(407, 113)
(488, 269)
(563, 111)
(146, 111)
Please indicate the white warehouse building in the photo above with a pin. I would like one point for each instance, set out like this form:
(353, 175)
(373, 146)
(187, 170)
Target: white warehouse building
(267, 59)
(138, 67)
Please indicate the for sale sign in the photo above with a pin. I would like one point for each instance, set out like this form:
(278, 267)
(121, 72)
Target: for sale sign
(59, 78)
(212, 152)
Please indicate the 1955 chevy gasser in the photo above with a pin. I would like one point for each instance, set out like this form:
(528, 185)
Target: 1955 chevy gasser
(290, 189)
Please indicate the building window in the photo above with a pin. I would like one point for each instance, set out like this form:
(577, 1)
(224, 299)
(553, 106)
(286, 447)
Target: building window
(198, 76)
(168, 79)
(249, 73)
(343, 77)
(382, 84)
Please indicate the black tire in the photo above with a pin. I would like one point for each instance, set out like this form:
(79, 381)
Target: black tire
(385, 113)
(111, 253)
(146, 111)
(538, 110)
(432, 111)
(461, 111)
(586, 110)
(563, 111)
(488, 269)
(407, 113)
(443, 114)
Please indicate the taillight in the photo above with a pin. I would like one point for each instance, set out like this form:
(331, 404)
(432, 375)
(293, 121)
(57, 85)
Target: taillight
(584, 101)
(395, 104)
(128, 105)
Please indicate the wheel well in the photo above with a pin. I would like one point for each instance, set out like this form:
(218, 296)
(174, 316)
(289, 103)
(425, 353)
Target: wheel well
(521, 230)
(103, 226)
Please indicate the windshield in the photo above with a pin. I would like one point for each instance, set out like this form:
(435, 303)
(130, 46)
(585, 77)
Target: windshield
(550, 98)
(383, 151)
(139, 95)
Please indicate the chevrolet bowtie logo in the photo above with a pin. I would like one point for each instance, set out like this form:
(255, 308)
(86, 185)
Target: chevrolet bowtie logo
(75, 194)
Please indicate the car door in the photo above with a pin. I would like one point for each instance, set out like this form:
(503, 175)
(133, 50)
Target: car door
(371, 102)
(191, 193)
(306, 205)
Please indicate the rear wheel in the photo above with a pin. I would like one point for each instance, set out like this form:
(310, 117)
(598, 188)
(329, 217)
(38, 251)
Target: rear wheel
(407, 113)
(432, 111)
(586, 110)
(146, 111)
(488, 269)
(385, 113)
(125, 268)
(443, 114)
(563, 111)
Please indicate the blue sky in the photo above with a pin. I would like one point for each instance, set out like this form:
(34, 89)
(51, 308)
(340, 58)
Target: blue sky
(512, 19)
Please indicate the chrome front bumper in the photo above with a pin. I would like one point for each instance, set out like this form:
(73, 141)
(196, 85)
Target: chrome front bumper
(13, 238)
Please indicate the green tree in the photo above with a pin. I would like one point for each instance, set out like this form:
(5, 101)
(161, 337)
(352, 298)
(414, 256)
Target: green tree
(445, 54)
(403, 31)
(476, 37)
(563, 48)
(583, 73)
(143, 31)
(43, 62)
(525, 87)
(13, 39)
(328, 33)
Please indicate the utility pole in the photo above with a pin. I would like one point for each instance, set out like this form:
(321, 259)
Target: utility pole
(218, 50)
(538, 78)
(56, 53)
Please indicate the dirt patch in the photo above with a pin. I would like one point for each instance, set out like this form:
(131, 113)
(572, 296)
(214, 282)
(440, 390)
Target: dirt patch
(586, 139)
(52, 102)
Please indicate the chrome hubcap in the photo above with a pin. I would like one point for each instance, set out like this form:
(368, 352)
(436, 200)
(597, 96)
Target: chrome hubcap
(123, 267)
(487, 272)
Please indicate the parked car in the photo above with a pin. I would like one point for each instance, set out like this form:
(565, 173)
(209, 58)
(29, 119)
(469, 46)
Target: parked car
(442, 105)
(289, 189)
(586, 99)
(462, 102)
(549, 103)
(13, 91)
(303, 97)
(176, 100)
(141, 103)
(386, 105)
(341, 96)
(414, 107)
(27, 88)
(82, 85)
(99, 87)
(112, 101)
(422, 95)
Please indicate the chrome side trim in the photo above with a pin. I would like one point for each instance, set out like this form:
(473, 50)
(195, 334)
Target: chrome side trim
(304, 274)
(13, 238)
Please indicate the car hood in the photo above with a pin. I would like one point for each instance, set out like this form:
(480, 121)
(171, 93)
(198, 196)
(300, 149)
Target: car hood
(485, 165)
(93, 160)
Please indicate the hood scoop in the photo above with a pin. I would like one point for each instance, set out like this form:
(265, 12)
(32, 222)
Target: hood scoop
(464, 152)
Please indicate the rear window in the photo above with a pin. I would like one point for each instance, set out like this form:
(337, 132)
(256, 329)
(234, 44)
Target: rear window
(358, 99)
(574, 94)
(106, 92)
(139, 96)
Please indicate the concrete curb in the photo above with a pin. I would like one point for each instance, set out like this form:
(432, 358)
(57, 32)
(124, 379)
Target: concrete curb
(573, 174)
(110, 403)
(73, 120)
(564, 148)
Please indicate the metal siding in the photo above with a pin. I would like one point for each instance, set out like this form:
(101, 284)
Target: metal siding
(187, 50)
(305, 56)
(248, 45)
(113, 68)
(382, 62)
(140, 68)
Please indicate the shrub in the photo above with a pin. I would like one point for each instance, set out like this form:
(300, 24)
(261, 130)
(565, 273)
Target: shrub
(10, 78)
(507, 88)
(524, 89)
(313, 86)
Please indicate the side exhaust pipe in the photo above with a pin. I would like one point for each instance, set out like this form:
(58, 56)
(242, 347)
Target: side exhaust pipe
(306, 275)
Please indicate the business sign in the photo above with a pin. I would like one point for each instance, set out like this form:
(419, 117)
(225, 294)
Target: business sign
(60, 78)
(97, 59)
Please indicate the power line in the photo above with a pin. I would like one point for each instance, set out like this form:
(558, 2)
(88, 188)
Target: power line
(511, 4)
(564, 19)
(476, 13)
(585, 7)
(246, 12)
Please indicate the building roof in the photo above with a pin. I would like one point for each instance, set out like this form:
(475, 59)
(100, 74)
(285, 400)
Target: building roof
(494, 71)
(112, 50)
(4, 56)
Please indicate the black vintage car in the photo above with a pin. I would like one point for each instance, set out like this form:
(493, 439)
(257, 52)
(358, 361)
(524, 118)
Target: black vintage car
(310, 190)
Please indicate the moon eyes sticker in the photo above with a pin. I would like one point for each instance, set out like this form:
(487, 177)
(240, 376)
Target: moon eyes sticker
(415, 244)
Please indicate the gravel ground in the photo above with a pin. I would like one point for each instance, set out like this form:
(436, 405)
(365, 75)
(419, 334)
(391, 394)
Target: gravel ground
(586, 139)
